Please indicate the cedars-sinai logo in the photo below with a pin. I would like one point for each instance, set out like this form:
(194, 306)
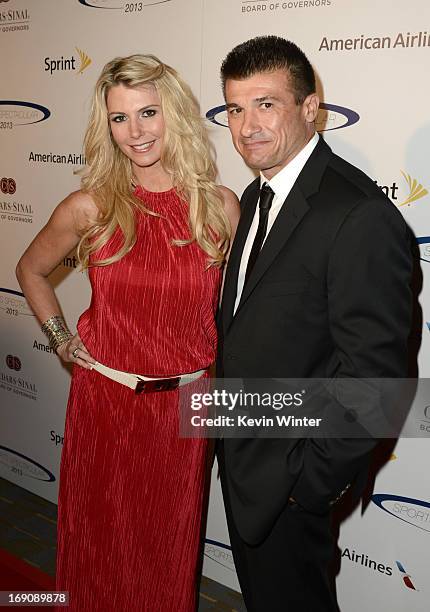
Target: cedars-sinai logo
(127, 7)
(15, 112)
(13, 18)
(13, 362)
(8, 185)
(330, 117)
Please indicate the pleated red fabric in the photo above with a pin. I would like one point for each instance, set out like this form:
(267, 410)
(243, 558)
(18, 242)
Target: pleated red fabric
(131, 490)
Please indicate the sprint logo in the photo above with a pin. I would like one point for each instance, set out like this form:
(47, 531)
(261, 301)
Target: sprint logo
(85, 60)
(416, 190)
(75, 63)
(408, 192)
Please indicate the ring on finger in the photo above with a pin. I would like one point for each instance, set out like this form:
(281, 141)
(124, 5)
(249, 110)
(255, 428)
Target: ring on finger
(75, 352)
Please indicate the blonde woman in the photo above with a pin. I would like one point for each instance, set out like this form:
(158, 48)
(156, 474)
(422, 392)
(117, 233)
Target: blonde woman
(153, 230)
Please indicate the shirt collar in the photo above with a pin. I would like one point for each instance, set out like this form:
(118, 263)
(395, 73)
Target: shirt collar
(282, 182)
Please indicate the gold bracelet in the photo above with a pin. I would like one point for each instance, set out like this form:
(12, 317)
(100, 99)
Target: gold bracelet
(57, 331)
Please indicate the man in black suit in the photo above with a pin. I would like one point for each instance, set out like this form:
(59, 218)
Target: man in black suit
(317, 286)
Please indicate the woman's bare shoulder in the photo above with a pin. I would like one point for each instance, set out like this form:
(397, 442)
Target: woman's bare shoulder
(82, 207)
(227, 193)
(231, 205)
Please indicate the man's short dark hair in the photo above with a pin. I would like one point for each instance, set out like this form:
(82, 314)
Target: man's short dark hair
(266, 54)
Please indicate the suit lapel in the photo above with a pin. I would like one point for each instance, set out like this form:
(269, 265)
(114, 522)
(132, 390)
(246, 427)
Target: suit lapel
(249, 203)
(292, 212)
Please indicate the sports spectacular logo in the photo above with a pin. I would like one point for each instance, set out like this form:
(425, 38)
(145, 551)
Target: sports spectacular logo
(14, 113)
(330, 117)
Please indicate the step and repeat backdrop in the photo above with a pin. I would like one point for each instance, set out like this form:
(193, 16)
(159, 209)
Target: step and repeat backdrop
(372, 63)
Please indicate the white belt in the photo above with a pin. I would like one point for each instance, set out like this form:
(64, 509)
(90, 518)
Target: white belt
(146, 384)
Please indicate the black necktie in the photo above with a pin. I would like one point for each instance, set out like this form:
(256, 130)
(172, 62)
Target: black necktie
(266, 198)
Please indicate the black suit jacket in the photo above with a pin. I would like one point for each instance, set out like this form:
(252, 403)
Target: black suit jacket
(329, 296)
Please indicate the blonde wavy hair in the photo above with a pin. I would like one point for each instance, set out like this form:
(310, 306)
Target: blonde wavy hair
(186, 156)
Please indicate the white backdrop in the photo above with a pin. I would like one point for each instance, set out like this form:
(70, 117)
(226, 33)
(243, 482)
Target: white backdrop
(371, 60)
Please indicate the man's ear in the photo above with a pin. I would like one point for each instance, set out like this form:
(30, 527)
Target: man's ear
(310, 107)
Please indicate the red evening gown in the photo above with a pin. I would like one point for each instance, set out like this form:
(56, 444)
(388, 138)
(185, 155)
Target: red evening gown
(131, 490)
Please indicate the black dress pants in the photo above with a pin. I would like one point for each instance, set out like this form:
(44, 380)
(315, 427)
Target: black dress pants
(288, 571)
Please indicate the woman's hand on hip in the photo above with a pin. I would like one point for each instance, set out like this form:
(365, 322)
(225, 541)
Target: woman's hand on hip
(74, 351)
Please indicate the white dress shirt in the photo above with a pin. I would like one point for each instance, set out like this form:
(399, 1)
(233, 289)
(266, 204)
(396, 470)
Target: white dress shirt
(281, 184)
